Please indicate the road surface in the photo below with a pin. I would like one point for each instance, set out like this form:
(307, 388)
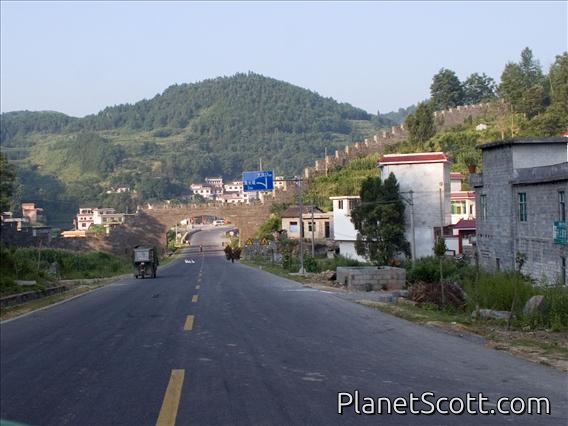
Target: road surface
(210, 342)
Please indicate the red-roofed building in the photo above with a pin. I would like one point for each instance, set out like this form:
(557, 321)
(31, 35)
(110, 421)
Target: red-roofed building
(414, 158)
(465, 231)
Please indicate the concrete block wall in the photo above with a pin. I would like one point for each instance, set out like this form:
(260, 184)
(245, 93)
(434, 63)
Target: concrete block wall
(494, 234)
(534, 237)
(371, 278)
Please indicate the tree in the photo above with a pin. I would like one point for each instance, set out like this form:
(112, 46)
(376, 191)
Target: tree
(558, 76)
(524, 86)
(7, 178)
(379, 220)
(478, 88)
(420, 124)
(446, 91)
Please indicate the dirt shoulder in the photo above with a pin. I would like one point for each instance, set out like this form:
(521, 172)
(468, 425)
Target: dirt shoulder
(76, 288)
(541, 346)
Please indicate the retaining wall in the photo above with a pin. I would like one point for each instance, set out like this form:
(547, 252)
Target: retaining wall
(371, 278)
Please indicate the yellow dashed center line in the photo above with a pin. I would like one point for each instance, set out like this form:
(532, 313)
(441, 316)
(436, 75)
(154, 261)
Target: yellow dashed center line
(188, 323)
(194, 298)
(168, 412)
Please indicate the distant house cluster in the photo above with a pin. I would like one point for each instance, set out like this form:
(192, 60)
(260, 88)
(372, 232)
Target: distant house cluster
(87, 216)
(214, 189)
(27, 229)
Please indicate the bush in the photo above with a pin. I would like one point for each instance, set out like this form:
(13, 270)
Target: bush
(310, 264)
(331, 264)
(34, 264)
(503, 291)
(427, 269)
(554, 315)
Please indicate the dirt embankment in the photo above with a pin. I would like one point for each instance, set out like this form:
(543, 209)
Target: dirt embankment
(140, 229)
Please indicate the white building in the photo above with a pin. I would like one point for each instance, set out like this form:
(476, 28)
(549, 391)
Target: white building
(343, 230)
(424, 183)
(462, 202)
(215, 181)
(207, 191)
(235, 186)
(88, 216)
(280, 183)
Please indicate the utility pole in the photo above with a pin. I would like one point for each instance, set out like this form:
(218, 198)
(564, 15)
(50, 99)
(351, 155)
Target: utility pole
(441, 211)
(313, 229)
(302, 270)
(412, 225)
(411, 204)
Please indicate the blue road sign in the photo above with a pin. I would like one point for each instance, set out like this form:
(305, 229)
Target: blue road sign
(258, 181)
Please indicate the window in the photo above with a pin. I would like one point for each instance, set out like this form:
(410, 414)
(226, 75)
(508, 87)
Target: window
(311, 225)
(483, 206)
(561, 206)
(340, 204)
(458, 207)
(293, 226)
(522, 206)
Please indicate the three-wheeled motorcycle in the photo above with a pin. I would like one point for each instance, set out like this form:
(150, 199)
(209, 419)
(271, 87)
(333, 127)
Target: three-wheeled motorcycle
(145, 260)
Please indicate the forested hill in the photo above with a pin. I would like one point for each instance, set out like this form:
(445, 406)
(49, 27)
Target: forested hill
(217, 127)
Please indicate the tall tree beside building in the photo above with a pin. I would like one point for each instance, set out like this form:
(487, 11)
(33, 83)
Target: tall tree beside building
(7, 177)
(446, 90)
(554, 121)
(524, 86)
(558, 76)
(379, 220)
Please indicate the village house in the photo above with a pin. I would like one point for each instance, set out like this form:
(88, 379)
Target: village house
(315, 223)
(88, 216)
(344, 233)
(424, 183)
(33, 213)
(521, 203)
(26, 230)
(462, 202)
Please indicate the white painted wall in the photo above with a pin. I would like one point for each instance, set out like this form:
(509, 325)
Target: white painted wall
(343, 230)
(424, 180)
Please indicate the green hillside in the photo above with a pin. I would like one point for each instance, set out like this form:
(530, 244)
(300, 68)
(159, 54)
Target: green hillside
(218, 127)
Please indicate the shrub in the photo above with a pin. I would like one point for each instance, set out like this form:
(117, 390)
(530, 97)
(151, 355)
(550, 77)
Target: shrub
(554, 315)
(504, 291)
(310, 264)
(427, 269)
(331, 264)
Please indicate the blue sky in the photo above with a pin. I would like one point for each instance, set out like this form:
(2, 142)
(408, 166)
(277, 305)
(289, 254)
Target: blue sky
(80, 57)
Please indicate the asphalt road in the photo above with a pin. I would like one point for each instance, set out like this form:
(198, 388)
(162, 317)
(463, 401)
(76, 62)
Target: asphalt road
(210, 342)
